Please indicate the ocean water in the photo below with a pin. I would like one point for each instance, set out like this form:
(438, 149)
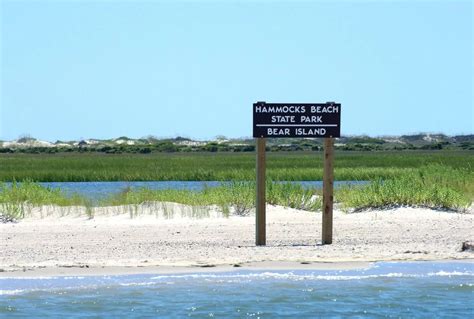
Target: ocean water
(98, 190)
(384, 290)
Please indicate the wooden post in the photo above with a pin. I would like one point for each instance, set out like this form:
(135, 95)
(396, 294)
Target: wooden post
(328, 186)
(260, 213)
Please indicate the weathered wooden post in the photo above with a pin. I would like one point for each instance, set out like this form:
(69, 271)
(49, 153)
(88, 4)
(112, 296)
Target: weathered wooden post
(296, 120)
(260, 213)
(328, 190)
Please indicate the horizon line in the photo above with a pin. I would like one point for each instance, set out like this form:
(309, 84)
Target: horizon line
(219, 136)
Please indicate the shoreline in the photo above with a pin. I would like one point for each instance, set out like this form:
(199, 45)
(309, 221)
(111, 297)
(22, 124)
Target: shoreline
(111, 243)
(80, 271)
(179, 269)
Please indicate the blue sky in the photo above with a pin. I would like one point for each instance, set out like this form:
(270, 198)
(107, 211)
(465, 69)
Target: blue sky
(103, 69)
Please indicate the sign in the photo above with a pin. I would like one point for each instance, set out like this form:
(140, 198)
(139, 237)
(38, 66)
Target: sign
(296, 119)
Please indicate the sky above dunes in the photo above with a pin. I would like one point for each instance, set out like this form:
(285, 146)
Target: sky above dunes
(102, 69)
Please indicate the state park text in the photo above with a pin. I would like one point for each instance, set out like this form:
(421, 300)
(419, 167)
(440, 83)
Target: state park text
(296, 120)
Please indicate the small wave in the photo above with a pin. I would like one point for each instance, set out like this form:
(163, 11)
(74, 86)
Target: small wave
(12, 292)
(55, 289)
(297, 277)
(23, 284)
(43, 278)
(30, 278)
(128, 284)
(450, 273)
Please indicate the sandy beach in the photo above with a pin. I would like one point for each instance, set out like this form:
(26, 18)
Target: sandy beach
(115, 243)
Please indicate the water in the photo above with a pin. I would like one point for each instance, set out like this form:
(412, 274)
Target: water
(385, 290)
(99, 190)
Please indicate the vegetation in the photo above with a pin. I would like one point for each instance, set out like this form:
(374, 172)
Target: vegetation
(238, 197)
(32, 193)
(439, 179)
(17, 198)
(281, 166)
(433, 186)
(125, 145)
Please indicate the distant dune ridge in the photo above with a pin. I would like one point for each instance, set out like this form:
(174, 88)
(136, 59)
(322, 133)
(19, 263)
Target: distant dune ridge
(221, 143)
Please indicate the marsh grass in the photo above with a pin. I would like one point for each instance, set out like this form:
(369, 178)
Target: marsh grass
(237, 197)
(293, 166)
(32, 193)
(294, 196)
(17, 199)
(433, 186)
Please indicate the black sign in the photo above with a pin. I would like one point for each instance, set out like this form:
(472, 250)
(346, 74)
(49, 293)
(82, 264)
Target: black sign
(296, 119)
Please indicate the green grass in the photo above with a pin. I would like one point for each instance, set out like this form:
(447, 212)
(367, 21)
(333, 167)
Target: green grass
(432, 179)
(220, 166)
(433, 186)
(237, 195)
(17, 198)
(32, 193)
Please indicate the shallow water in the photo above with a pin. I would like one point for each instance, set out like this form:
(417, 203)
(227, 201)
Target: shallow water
(98, 190)
(385, 290)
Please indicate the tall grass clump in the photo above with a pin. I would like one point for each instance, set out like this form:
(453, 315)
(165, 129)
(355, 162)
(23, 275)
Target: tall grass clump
(293, 195)
(236, 196)
(17, 198)
(433, 186)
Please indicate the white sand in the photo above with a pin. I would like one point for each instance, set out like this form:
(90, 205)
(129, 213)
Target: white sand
(112, 240)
